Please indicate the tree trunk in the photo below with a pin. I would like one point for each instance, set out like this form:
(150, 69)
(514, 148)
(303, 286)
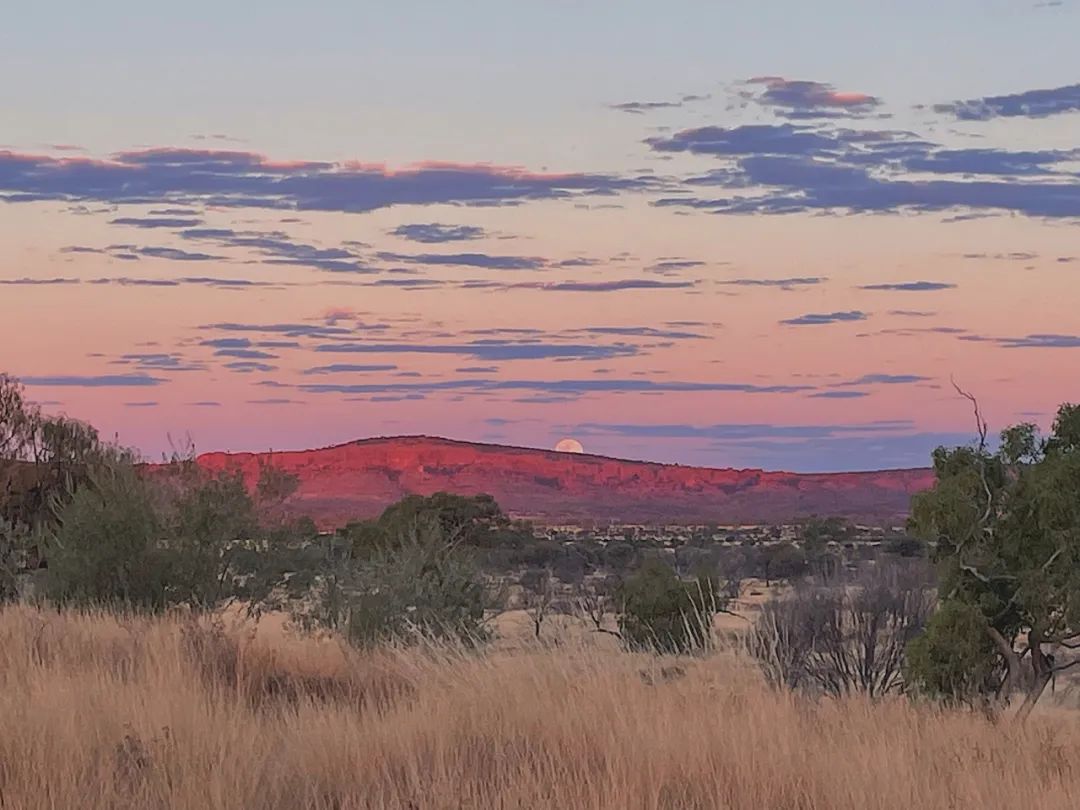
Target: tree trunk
(1012, 665)
(1042, 669)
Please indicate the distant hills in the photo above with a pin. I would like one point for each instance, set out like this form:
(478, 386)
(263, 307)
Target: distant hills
(361, 478)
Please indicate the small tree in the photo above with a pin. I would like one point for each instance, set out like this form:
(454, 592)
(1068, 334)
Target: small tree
(460, 518)
(404, 583)
(149, 541)
(782, 561)
(107, 546)
(661, 612)
(538, 586)
(423, 587)
(595, 599)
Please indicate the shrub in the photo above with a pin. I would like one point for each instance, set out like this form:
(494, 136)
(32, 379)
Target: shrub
(661, 612)
(844, 639)
(107, 547)
(954, 660)
(147, 542)
(411, 585)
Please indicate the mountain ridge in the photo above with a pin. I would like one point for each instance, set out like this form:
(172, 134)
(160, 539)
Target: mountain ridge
(358, 479)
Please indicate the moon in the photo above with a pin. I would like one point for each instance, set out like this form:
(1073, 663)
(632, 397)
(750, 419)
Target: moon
(569, 446)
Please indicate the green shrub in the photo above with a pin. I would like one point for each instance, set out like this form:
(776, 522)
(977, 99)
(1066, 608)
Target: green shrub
(179, 536)
(107, 546)
(661, 612)
(954, 659)
(411, 584)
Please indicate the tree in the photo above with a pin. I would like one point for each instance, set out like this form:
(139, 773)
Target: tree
(816, 535)
(178, 536)
(661, 612)
(460, 518)
(43, 461)
(1005, 532)
(594, 600)
(406, 580)
(107, 549)
(538, 586)
(782, 561)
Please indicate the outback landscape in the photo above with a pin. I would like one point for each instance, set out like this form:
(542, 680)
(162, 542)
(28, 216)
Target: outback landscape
(183, 635)
(610, 405)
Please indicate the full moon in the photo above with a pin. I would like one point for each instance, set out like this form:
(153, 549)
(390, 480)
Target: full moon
(569, 446)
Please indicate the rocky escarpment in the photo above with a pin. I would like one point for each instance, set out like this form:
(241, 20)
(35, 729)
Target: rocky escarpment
(361, 478)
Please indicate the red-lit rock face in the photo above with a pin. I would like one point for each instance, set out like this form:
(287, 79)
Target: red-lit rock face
(360, 479)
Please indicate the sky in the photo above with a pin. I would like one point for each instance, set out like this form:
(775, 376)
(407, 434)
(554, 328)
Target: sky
(764, 235)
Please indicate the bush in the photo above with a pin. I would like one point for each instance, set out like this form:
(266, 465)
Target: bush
(422, 590)
(844, 639)
(107, 547)
(954, 660)
(412, 584)
(778, 561)
(150, 541)
(661, 612)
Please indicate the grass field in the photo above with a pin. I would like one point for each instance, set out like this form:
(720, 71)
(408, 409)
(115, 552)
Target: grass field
(100, 712)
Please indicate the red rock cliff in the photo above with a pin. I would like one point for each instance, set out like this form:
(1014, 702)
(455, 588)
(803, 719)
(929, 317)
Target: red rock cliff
(361, 478)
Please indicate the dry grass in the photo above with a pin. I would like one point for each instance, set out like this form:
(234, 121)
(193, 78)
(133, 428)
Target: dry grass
(97, 712)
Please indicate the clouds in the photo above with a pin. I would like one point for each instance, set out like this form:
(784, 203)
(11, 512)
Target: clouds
(641, 107)
(278, 248)
(137, 380)
(800, 99)
(1027, 104)
(739, 431)
(781, 283)
(801, 168)
(564, 387)
(799, 446)
(352, 368)
(170, 175)
(910, 286)
(783, 139)
(489, 350)
(613, 285)
(886, 379)
(37, 282)
(825, 318)
(483, 260)
(157, 222)
(161, 361)
(1037, 341)
(135, 252)
(436, 233)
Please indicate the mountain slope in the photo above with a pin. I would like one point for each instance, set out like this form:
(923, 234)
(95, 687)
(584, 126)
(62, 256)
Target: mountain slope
(361, 478)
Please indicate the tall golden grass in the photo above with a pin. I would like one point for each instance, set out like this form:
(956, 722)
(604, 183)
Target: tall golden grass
(98, 711)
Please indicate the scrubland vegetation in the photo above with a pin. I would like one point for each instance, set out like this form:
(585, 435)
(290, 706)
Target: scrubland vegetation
(171, 639)
(103, 711)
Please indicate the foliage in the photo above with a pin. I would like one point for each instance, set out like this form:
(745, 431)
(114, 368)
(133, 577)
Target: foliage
(410, 584)
(905, 546)
(846, 638)
(954, 659)
(460, 519)
(1005, 528)
(782, 561)
(662, 612)
(149, 541)
(107, 547)
(43, 459)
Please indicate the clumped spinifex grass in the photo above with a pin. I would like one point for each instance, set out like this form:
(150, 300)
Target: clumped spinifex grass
(104, 712)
